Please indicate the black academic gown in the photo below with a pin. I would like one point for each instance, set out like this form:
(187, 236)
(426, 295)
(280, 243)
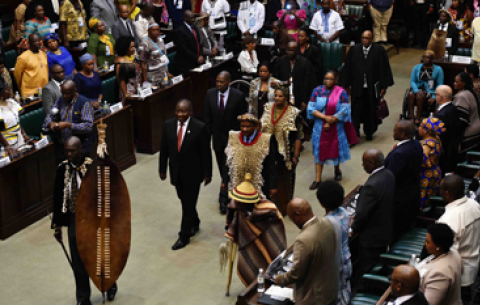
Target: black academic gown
(377, 69)
(314, 55)
(450, 138)
(304, 80)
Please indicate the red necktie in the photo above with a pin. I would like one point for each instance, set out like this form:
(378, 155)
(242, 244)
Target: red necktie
(395, 146)
(179, 137)
(196, 40)
(222, 104)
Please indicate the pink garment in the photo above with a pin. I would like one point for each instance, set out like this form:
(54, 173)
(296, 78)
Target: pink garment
(291, 24)
(329, 139)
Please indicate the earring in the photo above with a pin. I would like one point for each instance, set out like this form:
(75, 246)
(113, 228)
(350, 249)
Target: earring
(438, 248)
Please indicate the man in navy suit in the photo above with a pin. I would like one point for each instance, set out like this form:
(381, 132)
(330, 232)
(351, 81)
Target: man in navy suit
(185, 146)
(405, 161)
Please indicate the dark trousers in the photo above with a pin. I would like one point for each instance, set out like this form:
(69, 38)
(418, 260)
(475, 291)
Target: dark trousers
(421, 32)
(82, 280)
(367, 258)
(221, 159)
(363, 111)
(188, 195)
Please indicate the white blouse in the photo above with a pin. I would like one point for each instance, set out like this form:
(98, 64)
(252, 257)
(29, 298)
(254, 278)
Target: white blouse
(246, 63)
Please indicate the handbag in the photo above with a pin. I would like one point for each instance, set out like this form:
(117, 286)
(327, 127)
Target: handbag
(382, 109)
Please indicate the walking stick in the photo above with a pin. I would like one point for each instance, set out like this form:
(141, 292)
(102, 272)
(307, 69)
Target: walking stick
(231, 259)
(63, 246)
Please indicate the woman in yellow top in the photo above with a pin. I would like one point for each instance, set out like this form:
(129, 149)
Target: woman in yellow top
(18, 27)
(100, 44)
(133, 10)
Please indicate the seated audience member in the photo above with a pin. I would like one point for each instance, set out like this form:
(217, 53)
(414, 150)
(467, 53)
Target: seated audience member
(101, 45)
(405, 162)
(261, 90)
(77, 119)
(429, 132)
(52, 91)
(207, 38)
(442, 270)
(404, 287)
(312, 53)
(448, 114)
(248, 57)
(88, 82)
(315, 276)
(132, 9)
(462, 215)
(425, 78)
(18, 27)
(128, 77)
(330, 195)
(59, 55)
(473, 71)
(467, 102)
(124, 26)
(327, 24)
(291, 18)
(444, 24)
(251, 17)
(143, 19)
(281, 37)
(153, 56)
(31, 69)
(105, 11)
(6, 75)
(216, 11)
(12, 135)
(73, 23)
(39, 25)
(189, 52)
(373, 215)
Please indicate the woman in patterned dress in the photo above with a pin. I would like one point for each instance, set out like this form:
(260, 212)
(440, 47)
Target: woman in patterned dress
(430, 130)
(39, 25)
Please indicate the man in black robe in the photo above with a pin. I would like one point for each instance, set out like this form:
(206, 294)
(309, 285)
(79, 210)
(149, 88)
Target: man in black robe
(366, 67)
(300, 70)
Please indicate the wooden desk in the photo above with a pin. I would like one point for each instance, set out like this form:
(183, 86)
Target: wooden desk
(150, 114)
(26, 193)
(450, 70)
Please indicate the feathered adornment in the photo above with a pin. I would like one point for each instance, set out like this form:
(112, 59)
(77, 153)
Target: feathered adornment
(102, 145)
(223, 252)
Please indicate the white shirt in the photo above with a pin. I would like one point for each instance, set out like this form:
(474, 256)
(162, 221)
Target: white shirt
(377, 170)
(255, 11)
(402, 299)
(216, 9)
(443, 105)
(309, 221)
(79, 181)
(185, 126)
(225, 97)
(335, 24)
(246, 63)
(463, 217)
(141, 26)
(443, 27)
(403, 142)
(58, 84)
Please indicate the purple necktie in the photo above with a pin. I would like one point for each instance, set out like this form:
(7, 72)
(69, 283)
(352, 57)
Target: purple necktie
(222, 104)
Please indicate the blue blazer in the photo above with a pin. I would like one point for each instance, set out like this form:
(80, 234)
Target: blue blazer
(416, 82)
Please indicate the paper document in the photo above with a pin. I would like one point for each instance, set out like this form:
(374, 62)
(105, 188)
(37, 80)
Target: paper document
(280, 293)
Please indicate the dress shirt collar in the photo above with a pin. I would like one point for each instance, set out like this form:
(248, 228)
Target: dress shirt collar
(249, 140)
(367, 49)
(443, 27)
(443, 105)
(403, 142)
(185, 124)
(57, 83)
(188, 26)
(309, 221)
(377, 170)
(225, 94)
(403, 299)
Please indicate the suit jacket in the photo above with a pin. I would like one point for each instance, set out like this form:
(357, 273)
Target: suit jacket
(374, 213)
(450, 138)
(417, 299)
(106, 12)
(207, 50)
(50, 94)
(314, 270)
(187, 49)
(441, 281)
(47, 7)
(219, 126)
(194, 161)
(119, 30)
(405, 163)
(177, 14)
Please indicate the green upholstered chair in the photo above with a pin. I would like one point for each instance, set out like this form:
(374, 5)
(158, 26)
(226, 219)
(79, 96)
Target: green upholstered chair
(332, 54)
(6, 33)
(32, 123)
(355, 11)
(365, 299)
(10, 58)
(231, 30)
(313, 39)
(171, 58)
(108, 86)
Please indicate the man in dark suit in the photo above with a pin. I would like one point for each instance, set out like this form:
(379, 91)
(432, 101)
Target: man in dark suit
(189, 51)
(222, 107)
(184, 145)
(374, 213)
(51, 92)
(405, 161)
(404, 286)
(106, 11)
(448, 114)
(124, 26)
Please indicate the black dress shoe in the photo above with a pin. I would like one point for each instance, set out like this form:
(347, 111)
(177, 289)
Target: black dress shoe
(223, 208)
(314, 185)
(84, 303)
(179, 244)
(338, 176)
(112, 292)
(368, 137)
(194, 231)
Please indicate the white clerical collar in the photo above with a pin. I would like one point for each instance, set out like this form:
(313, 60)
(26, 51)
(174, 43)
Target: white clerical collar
(367, 49)
(309, 221)
(377, 170)
(402, 142)
(443, 105)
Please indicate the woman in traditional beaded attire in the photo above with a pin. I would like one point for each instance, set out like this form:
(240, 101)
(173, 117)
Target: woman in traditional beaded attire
(282, 120)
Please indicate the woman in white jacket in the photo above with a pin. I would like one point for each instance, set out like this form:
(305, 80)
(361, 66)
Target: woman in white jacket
(248, 57)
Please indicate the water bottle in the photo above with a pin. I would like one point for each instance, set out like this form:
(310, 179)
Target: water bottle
(170, 24)
(462, 38)
(165, 80)
(261, 281)
(18, 98)
(105, 65)
(40, 92)
(446, 56)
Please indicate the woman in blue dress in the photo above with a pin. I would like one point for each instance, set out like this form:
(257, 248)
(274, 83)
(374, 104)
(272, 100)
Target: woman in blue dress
(59, 55)
(332, 130)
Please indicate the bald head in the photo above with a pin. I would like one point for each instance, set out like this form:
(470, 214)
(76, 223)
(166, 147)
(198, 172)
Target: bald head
(405, 280)
(367, 38)
(443, 94)
(404, 130)
(452, 187)
(372, 159)
(299, 211)
(69, 90)
(73, 149)
(123, 11)
(74, 142)
(189, 17)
